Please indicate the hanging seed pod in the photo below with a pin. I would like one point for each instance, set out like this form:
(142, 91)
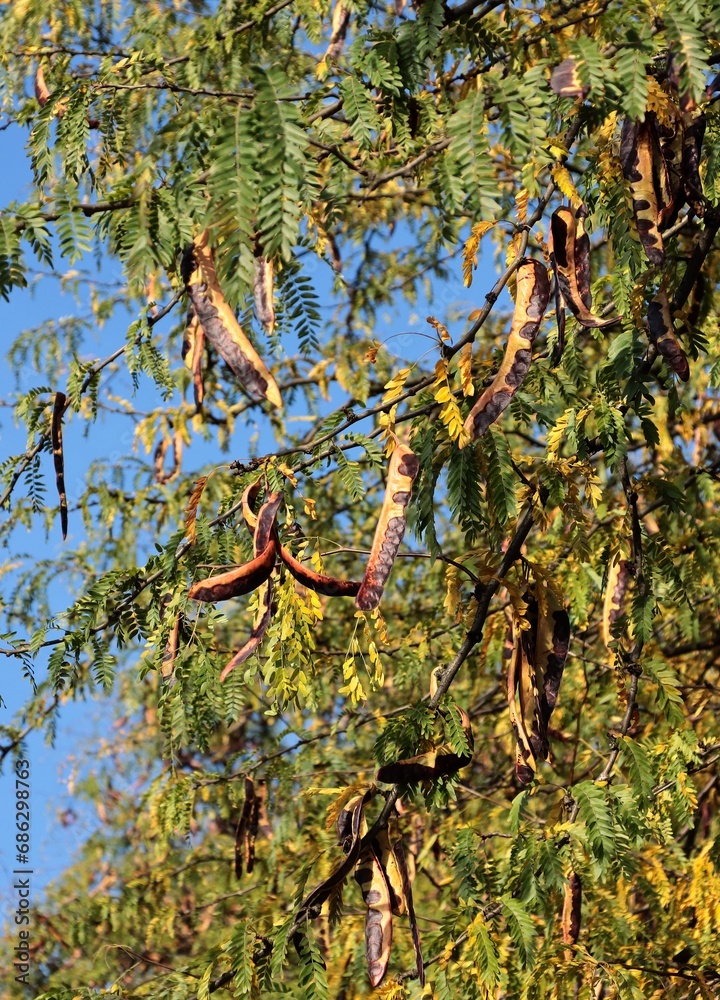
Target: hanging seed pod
(521, 691)
(430, 765)
(412, 920)
(244, 844)
(661, 333)
(692, 150)
(572, 910)
(551, 649)
(668, 146)
(370, 877)
(533, 292)
(570, 256)
(329, 586)
(404, 467)
(616, 587)
(244, 579)
(41, 89)
(192, 354)
(636, 157)
(59, 457)
(219, 323)
(386, 855)
(260, 627)
(264, 294)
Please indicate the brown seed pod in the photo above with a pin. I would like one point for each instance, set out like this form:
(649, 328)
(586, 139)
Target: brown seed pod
(551, 649)
(521, 691)
(533, 292)
(661, 333)
(244, 849)
(668, 146)
(570, 255)
(340, 22)
(430, 765)
(616, 587)
(167, 668)
(636, 157)
(329, 586)
(219, 322)
(41, 89)
(263, 293)
(692, 149)
(59, 457)
(572, 910)
(312, 904)
(403, 468)
(565, 80)
(370, 877)
(407, 893)
(260, 627)
(192, 353)
(559, 348)
(244, 579)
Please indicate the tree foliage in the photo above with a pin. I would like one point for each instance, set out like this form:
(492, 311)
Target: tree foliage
(339, 161)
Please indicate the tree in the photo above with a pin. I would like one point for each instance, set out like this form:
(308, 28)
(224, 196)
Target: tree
(538, 684)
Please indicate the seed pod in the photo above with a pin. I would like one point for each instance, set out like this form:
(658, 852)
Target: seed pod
(565, 80)
(551, 649)
(668, 146)
(260, 627)
(162, 475)
(329, 586)
(617, 583)
(263, 293)
(661, 333)
(246, 578)
(572, 910)
(41, 90)
(249, 494)
(167, 668)
(244, 843)
(692, 148)
(378, 920)
(312, 904)
(407, 893)
(521, 692)
(340, 21)
(59, 457)
(192, 353)
(403, 469)
(636, 156)
(219, 323)
(570, 256)
(430, 765)
(385, 853)
(533, 292)
(559, 348)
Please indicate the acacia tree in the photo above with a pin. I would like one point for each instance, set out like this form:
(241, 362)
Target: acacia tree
(534, 669)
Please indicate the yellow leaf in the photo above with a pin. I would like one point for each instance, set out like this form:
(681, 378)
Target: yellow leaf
(471, 248)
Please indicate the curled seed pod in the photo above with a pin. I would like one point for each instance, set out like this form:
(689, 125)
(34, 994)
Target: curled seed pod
(661, 333)
(192, 353)
(668, 146)
(570, 255)
(263, 292)
(636, 157)
(565, 80)
(163, 475)
(430, 765)
(404, 467)
(219, 323)
(59, 457)
(312, 904)
(246, 578)
(572, 910)
(559, 348)
(329, 586)
(407, 893)
(533, 292)
(521, 705)
(250, 493)
(617, 584)
(370, 877)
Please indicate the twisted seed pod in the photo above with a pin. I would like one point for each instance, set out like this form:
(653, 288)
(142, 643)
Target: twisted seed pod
(219, 323)
(430, 765)
(570, 255)
(636, 157)
(370, 877)
(661, 333)
(615, 589)
(533, 292)
(192, 354)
